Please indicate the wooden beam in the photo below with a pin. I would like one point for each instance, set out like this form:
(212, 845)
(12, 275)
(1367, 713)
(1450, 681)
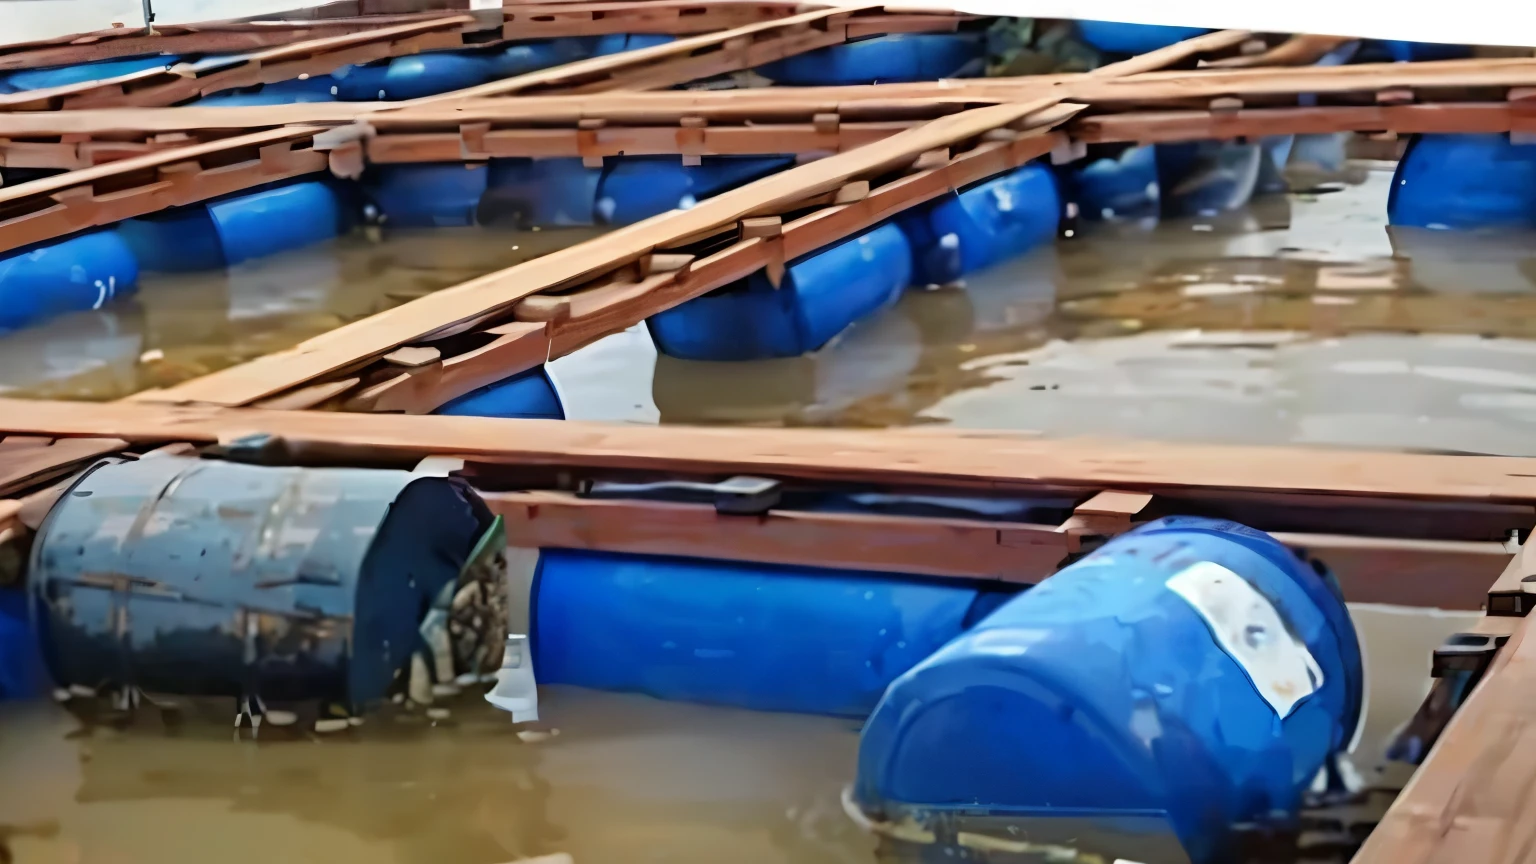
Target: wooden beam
(948, 458)
(960, 548)
(1472, 798)
(1150, 127)
(499, 291)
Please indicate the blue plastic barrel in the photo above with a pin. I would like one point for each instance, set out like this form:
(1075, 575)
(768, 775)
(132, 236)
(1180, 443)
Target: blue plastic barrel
(554, 193)
(1464, 182)
(428, 194)
(414, 76)
(757, 636)
(529, 395)
(85, 271)
(205, 578)
(820, 296)
(614, 43)
(22, 674)
(1203, 178)
(520, 58)
(639, 187)
(226, 231)
(1118, 187)
(59, 76)
(1192, 674)
(992, 221)
(884, 60)
(316, 88)
(1116, 38)
(1405, 52)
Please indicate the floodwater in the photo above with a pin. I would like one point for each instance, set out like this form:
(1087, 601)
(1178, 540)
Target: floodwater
(1299, 320)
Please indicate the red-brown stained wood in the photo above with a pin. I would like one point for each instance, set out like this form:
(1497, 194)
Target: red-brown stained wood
(23, 467)
(925, 547)
(950, 458)
(1472, 799)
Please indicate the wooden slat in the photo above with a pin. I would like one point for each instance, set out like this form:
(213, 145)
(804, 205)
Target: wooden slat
(414, 320)
(1473, 797)
(1436, 574)
(927, 547)
(1150, 127)
(947, 458)
(24, 467)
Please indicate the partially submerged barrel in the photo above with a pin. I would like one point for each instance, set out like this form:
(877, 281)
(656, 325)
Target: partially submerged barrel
(529, 395)
(553, 193)
(820, 296)
(1120, 185)
(428, 194)
(758, 636)
(205, 578)
(638, 187)
(962, 232)
(83, 271)
(1184, 678)
(226, 231)
(896, 58)
(1204, 178)
(1465, 181)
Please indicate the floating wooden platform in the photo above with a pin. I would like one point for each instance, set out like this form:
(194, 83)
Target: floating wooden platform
(1397, 528)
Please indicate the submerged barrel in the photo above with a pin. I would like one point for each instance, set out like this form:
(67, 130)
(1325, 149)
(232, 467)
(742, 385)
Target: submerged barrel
(820, 296)
(639, 187)
(1463, 182)
(1203, 178)
(528, 193)
(226, 231)
(428, 194)
(85, 271)
(1113, 37)
(765, 637)
(975, 228)
(205, 578)
(1187, 676)
(529, 395)
(896, 58)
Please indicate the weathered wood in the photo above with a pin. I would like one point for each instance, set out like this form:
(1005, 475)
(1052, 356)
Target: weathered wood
(1471, 800)
(1436, 574)
(25, 467)
(1150, 127)
(927, 547)
(950, 458)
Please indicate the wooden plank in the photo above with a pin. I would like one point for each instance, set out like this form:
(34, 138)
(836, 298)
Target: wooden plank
(22, 468)
(970, 549)
(1473, 797)
(412, 321)
(1434, 574)
(948, 458)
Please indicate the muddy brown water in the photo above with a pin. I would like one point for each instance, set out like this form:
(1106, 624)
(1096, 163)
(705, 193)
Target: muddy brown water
(1299, 320)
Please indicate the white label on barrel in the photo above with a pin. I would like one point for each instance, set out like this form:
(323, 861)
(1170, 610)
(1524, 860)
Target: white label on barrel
(1250, 630)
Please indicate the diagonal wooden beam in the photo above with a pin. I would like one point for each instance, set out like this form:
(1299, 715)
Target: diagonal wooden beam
(497, 293)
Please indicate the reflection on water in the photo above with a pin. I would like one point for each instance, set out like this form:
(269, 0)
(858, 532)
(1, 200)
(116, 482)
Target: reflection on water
(1297, 320)
(184, 325)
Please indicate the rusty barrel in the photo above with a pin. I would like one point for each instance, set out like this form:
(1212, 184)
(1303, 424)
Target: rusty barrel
(206, 578)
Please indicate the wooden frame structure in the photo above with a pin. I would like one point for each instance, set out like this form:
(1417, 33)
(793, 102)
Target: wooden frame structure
(1396, 528)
